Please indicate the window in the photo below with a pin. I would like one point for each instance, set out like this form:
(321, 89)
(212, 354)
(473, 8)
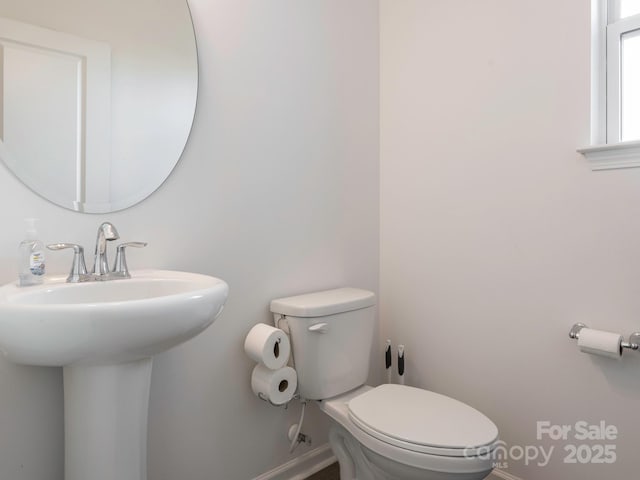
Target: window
(623, 71)
(615, 111)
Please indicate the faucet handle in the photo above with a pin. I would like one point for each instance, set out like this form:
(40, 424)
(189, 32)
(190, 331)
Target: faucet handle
(120, 268)
(78, 268)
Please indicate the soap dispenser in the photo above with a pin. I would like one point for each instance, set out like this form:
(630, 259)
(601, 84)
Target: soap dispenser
(31, 256)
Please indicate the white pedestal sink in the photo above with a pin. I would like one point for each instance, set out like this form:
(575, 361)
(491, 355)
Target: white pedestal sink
(104, 335)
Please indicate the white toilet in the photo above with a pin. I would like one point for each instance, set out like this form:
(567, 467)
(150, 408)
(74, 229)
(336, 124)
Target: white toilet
(387, 432)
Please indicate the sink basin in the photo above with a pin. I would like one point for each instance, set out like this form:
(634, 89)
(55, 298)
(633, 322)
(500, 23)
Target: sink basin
(104, 335)
(59, 324)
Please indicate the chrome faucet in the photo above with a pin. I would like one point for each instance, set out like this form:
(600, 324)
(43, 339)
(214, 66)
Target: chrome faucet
(78, 268)
(106, 233)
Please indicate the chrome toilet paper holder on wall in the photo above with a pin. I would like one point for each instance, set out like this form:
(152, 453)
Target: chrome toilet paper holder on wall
(632, 344)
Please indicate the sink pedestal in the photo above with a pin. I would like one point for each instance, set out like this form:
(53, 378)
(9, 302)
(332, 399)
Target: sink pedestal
(105, 420)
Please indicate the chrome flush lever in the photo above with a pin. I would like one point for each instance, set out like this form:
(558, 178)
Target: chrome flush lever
(120, 268)
(78, 267)
(319, 328)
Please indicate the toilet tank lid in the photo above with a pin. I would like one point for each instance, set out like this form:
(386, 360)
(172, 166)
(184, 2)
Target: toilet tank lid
(328, 302)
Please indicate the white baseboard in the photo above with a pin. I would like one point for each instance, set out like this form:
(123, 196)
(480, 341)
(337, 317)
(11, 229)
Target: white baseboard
(312, 462)
(303, 466)
(504, 475)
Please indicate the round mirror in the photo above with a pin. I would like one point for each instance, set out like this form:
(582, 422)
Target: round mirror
(96, 98)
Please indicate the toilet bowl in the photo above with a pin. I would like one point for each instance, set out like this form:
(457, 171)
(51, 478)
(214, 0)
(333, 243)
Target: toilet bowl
(371, 452)
(389, 432)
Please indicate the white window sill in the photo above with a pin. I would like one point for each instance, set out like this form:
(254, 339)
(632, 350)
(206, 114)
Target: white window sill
(616, 155)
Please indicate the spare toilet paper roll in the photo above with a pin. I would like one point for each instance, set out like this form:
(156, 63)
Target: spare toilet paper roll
(275, 386)
(597, 342)
(268, 345)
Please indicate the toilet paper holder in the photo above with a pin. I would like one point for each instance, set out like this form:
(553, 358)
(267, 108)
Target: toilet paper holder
(263, 397)
(632, 344)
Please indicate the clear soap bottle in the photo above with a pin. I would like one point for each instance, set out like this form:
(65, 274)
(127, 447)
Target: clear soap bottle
(31, 256)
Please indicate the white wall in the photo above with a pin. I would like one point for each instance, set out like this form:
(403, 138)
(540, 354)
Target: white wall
(496, 236)
(276, 193)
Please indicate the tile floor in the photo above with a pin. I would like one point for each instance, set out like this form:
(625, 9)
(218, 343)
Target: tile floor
(332, 472)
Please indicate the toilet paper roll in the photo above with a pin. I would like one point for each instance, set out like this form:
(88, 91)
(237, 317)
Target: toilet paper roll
(598, 342)
(275, 386)
(268, 345)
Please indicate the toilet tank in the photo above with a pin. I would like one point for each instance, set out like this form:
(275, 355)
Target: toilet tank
(331, 335)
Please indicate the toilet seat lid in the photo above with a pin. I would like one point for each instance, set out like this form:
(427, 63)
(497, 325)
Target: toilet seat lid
(423, 421)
